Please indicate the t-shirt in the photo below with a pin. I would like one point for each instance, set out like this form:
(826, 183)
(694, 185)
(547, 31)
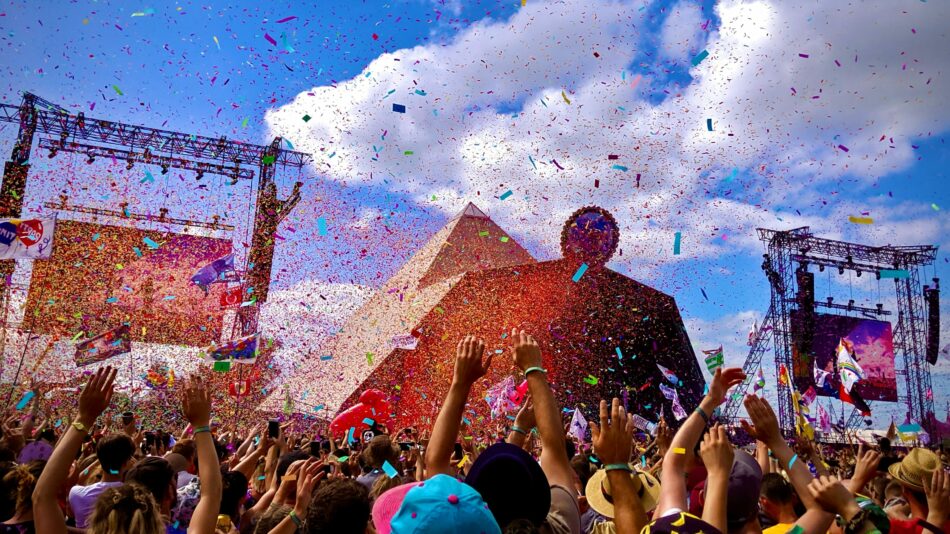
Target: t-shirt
(82, 500)
(370, 478)
(184, 478)
(911, 526)
(565, 514)
(779, 528)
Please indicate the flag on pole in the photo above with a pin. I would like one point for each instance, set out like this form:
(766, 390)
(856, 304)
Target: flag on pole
(212, 272)
(242, 350)
(753, 333)
(499, 397)
(783, 375)
(578, 427)
(824, 419)
(644, 424)
(232, 297)
(239, 388)
(669, 375)
(104, 346)
(670, 393)
(714, 359)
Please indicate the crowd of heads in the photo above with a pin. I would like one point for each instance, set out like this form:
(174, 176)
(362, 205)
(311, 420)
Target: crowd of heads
(101, 475)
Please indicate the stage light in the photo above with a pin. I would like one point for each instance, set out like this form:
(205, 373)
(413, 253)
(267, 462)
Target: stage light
(821, 268)
(91, 158)
(877, 275)
(200, 175)
(850, 259)
(859, 274)
(128, 165)
(164, 169)
(880, 308)
(52, 153)
(830, 300)
(850, 304)
(840, 270)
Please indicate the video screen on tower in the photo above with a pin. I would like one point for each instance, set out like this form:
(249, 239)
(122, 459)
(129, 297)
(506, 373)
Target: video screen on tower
(873, 344)
(100, 276)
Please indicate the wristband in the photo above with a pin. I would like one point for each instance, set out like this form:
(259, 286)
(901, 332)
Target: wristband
(293, 517)
(518, 430)
(618, 467)
(201, 429)
(702, 414)
(792, 462)
(533, 369)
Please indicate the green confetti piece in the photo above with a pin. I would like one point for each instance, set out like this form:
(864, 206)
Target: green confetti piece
(221, 367)
(306, 118)
(592, 380)
(117, 90)
(503, 239)
(408, 153)
(268, 160)
(369, 358)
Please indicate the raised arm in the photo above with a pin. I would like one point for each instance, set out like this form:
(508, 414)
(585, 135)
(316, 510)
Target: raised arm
(673, 492)
(613, 441)
(554, 460)
(717, 454)
(95, 397)
(469, 367)
(196, 407)
(524, 422)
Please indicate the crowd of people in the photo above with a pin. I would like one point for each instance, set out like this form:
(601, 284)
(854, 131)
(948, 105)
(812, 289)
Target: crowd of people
(110, 477)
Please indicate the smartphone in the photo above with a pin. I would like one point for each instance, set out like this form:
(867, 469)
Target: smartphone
(127, 418)
(315, 449)
(406, 445)
(273, 428)
(149, 439)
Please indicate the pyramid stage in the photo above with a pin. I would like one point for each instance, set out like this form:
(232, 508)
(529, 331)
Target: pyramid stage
(601, 335)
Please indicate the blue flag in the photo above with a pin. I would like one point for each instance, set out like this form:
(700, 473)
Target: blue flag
(212, 272)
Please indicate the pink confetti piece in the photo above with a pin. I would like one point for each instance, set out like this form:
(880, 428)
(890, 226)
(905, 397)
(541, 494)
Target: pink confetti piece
(803, 55)
(286, 19)
(270, 39)
(636, 81)
(843, 148)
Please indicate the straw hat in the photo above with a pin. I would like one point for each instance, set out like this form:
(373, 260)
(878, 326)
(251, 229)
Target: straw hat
(599, 497)
(910, 471)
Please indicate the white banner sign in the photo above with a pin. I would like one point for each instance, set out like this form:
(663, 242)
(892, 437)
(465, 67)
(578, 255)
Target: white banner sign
(26, 238)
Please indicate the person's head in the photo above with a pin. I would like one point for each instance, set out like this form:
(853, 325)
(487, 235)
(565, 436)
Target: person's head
(283, 463)
(115, 453)
(157, 476)
(439, 505)
(233, 493)
(885, 445)
(777, 496)
(512, 484)
(18, 484)
(380, 450)
(126, 508)
(383, 484)
(186, 448)
(339, 506)
(910, 472)
(600, 494)
(271, 518)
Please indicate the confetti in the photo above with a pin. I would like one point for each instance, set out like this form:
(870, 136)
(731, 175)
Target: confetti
(861, 220)
(270, 39)
(399, 108)
(564, 96)
(580, 272)
(709, 125)
(322, 226)
(505, 195)
(700, 57)
(677, 237)
(895, 273)
(117, 90)
(24, 400)
(286, 19)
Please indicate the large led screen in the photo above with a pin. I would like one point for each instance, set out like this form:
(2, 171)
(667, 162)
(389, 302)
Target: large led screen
(101, 276)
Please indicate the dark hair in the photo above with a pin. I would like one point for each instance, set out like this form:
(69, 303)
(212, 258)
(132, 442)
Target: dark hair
(339, 507)
(113, 451)
(283, 463)
(581, 465)
(885, 445)
(271, 518)
(186, 448)
(776, 489)
(381, 449)
(154, 474)
(19, 482)
(521, 526)
(234, 487)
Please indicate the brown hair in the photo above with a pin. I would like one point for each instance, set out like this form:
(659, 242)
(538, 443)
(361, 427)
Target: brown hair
(22, 479)
(125, 509)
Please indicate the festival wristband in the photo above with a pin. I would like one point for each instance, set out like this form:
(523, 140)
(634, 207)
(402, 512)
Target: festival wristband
(702, 414)
(533, 369)
(618, 467)
(792, 462)
(293, 517)
(929, 526)
(518, 430)
(201, 429)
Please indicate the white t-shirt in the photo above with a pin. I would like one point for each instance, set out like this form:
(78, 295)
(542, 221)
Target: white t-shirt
(184, 478)
(82, 500)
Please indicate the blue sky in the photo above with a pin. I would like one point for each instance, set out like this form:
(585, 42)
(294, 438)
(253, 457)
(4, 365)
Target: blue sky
(491, 76)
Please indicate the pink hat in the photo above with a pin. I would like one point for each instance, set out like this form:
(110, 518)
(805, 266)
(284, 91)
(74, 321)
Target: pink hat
(387, 505)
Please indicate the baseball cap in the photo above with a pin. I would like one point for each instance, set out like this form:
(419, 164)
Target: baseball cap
(439, 505)
(742, 497)
(512, 483)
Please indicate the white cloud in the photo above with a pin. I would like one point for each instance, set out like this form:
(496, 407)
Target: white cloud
(682, 31)
(464, 140)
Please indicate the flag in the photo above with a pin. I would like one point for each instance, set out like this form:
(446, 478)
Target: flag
(232, 297)
(753, 333)
(714, 359)
(644, 424)
(759, 384)
(892, 430)
(239, 388)
(669, 375)
(823, 381)
(500, 397)
(783, 375)
(288, 402)
(809, 396)
(104, 346)
(824, 419)
(678, 412)
(212, 272)
(243, 350)
(578, 427)
(26, 238)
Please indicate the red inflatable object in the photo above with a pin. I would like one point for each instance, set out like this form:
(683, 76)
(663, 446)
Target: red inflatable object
(373, 407)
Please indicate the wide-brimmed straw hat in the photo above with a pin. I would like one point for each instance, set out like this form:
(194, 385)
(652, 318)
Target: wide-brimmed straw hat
(599, 495)
(910, 471)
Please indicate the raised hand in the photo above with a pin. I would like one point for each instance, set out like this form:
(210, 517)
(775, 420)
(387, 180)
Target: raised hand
(525, 350)
(196, 403)
(613, 439)
(865, 469)
(469, 365)
(525, 419)
(96, 396)
(937, 489)
(833, 496)
(764, 425)
(717, 452)
(310, 474)
(723, 379)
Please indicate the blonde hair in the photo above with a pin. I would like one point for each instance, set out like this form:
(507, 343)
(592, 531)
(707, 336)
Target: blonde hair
(126, 509)
(24, 477)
